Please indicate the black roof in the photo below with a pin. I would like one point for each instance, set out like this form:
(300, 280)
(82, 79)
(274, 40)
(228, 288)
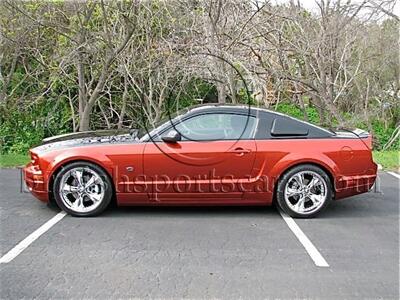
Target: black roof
(212, 107)
(273, 121)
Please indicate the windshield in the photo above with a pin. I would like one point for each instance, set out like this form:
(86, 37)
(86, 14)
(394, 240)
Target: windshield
(144, 134)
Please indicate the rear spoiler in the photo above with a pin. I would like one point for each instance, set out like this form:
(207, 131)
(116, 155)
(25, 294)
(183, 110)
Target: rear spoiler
(365, 136)
(360, 133)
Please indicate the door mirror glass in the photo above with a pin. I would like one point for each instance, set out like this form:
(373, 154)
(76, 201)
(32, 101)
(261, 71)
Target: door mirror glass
(171, 137)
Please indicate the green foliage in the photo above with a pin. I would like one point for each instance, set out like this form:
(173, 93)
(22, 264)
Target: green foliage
(382, 135)
(13, 160)
(295, 111)
(390, 160)
(245, 98)
(195, 91)
(24, 127)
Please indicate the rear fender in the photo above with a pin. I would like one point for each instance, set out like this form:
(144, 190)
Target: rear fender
(292, 159)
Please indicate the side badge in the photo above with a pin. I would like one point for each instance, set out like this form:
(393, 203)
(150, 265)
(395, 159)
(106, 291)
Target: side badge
(129, 169)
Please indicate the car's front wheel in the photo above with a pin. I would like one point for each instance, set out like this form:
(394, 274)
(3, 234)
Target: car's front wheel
(82, 189)
(304, 191)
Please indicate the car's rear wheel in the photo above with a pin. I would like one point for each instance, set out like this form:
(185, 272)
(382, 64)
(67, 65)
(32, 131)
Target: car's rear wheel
(304, 191)
(82, 189)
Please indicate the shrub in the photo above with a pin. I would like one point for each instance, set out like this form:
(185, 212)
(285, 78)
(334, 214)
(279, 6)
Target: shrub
(22, 128)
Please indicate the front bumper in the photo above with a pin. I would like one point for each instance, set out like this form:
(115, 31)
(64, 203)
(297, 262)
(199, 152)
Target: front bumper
(35, 182)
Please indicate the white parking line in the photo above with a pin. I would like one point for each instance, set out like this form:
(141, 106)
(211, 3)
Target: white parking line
(14, 252)
(310, 248)
(394, 174)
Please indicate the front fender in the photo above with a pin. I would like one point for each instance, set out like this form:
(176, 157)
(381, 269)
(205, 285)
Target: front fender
(69, 156)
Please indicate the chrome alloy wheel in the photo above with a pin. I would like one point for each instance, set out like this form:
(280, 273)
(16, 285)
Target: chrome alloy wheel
(305, 192)
(82, 189)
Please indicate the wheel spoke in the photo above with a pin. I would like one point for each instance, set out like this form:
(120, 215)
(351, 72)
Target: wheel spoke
(299, 206)
(290, 192)
(94, 197)
(316, 199)
(314, 181)
(91, 181)
(68, 189)
(299, 178)
(78, 203)
(78, 175)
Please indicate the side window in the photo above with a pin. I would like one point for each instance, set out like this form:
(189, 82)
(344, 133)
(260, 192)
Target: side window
(217, 127)
(283, 127)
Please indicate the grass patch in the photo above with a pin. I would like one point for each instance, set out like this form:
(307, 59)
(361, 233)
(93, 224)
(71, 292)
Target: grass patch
(388, 159)
(13, 160)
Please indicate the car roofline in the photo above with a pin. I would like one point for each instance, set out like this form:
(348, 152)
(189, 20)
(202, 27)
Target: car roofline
(251, 108)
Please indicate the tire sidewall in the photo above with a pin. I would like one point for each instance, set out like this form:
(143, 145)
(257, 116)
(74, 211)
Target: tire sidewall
(108, 193)
(284, 180)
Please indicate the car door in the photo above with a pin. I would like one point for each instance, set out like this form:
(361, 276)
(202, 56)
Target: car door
(214, 157)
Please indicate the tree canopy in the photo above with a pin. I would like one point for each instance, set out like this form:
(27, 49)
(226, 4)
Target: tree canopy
(80, 65)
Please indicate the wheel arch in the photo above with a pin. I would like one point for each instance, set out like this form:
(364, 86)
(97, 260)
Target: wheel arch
(316, 164)
(329, 172)
(60, 165)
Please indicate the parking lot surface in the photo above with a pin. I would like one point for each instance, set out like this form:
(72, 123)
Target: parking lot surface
(230, 253)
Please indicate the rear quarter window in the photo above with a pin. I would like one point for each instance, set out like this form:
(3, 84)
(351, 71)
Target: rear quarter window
(276, 126)
(287, 127)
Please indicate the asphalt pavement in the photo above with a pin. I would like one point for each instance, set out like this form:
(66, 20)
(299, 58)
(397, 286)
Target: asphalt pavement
(202, 253)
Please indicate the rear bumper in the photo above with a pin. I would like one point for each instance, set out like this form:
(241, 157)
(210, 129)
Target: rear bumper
(35, 182)
(347, 186)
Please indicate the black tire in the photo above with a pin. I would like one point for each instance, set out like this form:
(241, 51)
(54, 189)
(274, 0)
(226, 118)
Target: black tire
(107, 185)
(303, 169)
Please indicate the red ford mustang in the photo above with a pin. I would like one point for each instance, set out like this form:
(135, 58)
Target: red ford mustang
(207, 155)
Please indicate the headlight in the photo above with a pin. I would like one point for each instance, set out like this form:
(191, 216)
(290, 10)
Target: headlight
(34, 159)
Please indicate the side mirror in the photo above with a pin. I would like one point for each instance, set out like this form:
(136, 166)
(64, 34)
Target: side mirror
(171, 137)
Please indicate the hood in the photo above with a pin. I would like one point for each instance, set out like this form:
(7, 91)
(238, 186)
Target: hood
(87, 134)
(87, 138)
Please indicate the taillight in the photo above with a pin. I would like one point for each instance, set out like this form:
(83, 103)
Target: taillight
(369, 141)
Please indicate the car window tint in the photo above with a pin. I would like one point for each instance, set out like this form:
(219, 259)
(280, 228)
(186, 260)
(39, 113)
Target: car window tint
(217, 127)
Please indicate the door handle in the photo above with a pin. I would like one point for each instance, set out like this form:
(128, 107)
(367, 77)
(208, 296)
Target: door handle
(240, 151)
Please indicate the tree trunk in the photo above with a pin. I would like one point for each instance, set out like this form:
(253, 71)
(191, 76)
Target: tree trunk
(303, 108)
(320, 110)
(82, 91)
(7, 79)
(124, 99)
(232, 86)
(221, 92)
(299, 99)
(333, 111)
(84, 122)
